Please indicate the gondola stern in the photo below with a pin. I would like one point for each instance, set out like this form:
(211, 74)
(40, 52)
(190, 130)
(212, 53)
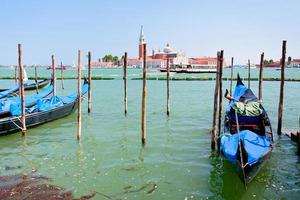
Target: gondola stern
(239, 80)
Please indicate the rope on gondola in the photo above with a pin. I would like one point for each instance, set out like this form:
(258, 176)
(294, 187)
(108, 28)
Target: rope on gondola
(240, 147)
(16, 123)
(84, 97)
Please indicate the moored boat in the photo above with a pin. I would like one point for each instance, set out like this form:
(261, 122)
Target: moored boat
(45, 110)
(247, 138)
(39, 84)
(30, 86)
(196, 70)
(6, 105)
(9, 92)
(190, 70)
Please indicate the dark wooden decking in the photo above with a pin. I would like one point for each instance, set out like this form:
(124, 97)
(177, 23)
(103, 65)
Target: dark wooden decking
(294, 134)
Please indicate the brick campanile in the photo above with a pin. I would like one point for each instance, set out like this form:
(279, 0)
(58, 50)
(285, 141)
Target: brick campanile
(141, 43)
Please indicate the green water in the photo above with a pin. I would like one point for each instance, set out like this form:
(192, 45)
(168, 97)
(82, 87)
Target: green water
(135, 73)
(177, 157)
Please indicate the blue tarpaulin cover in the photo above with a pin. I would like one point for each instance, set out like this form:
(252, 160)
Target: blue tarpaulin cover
(256, 146)
(55, 101)
(29, 101)
(7, 92)
(48, 104)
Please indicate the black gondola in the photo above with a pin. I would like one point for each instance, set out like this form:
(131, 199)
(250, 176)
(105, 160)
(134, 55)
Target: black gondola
(248, 137)
(9, 92)
(40, 84)
(5, 105)
(36, 116)
(32, 86)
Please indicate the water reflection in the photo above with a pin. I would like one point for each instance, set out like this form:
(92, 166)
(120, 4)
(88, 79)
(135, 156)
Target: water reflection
(223, 180)
(141, 154)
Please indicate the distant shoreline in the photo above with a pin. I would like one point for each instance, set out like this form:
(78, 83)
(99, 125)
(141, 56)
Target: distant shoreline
(163, 78)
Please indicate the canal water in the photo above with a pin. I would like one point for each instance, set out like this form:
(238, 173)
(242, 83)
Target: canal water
(175, 163)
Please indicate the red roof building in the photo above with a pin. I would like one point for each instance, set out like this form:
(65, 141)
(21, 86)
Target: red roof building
(158, 58)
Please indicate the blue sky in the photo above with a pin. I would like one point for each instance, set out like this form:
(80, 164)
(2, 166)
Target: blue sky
(243, 28)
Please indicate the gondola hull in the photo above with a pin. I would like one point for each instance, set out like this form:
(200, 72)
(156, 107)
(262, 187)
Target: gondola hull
(29, 101)
(13, 124)
(251, 171)
(40, 84)
(247, 138)
(32, 86)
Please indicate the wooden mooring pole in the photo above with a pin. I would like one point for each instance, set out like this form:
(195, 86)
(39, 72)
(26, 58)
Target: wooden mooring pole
(79, 98)
(144, 95)
(90, 82)
(231, 76)
(22, 92)
(53, 75)
(125, 82)
(62, 75)
(298, 143)
(249, 75)
(35, 79)
(220, 97)
(280, 108)
(260, 76)
(214, 126)
(16, 75)
(168, 86)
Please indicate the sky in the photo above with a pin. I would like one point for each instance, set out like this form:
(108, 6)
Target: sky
(242, 28)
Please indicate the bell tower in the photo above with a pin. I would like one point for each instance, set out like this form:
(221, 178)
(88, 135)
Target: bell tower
(141, 43)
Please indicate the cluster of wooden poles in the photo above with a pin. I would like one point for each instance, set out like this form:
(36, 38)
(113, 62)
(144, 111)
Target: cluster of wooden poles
(218, 94)
(22, 93)
(144, 90)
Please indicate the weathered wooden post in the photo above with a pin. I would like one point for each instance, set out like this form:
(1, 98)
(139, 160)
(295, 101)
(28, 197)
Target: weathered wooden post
(79, 97)
(62, 75)
(214, 126)
(280, 109)
(125, 82)
(16, 75)
(249, 76)
(144, 95)
(260, 76)
(220, 97)
(231, 76)
(22, 93)
(90, 82)
(168, 86)
(35, 79)
(53, 75)
(298, 143)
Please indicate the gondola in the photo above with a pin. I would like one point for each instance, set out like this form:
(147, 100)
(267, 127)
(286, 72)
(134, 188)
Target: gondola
(44, 111)
(247, 135)
(29, 86)
(7, 105)
(9, 92)
(40, 84)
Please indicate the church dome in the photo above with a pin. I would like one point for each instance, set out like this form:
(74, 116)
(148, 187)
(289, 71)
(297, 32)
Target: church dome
(168, 49)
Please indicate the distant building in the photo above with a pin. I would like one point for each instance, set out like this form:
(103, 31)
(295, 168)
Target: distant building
(141, 44)
(204, 62)
(101, 64)
(295, 62)
(158, 59)
(181, 60)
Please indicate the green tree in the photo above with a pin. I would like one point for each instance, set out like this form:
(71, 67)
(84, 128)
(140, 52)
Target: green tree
(110, 58)
(289, 60)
